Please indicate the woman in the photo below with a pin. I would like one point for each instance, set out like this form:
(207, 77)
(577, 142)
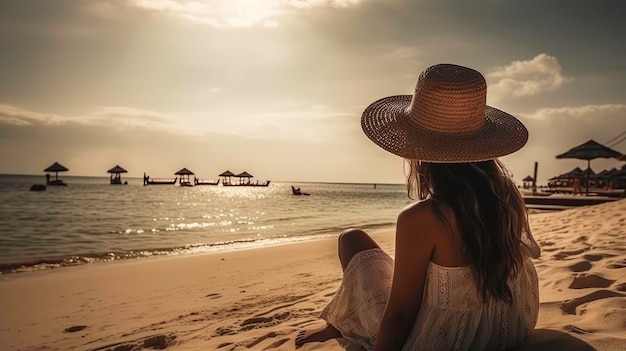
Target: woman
(462, 278)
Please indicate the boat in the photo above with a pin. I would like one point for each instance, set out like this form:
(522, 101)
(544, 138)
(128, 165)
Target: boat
(298, 192)
(206, 182)
(149, 181)
(56, 182)
(267, 183)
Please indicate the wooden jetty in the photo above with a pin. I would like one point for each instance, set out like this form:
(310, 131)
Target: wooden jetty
(564, 201)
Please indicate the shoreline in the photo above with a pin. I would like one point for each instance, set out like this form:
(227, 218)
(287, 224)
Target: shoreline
(86, 259)
(78, 260)
(260, 298)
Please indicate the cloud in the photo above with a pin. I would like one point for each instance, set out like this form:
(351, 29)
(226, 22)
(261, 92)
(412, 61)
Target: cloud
(526, 78)
(305, 4)
(588, 112)
(316, 124)
(116, 117)
(234, 13)
(22, 117)
(403, 53)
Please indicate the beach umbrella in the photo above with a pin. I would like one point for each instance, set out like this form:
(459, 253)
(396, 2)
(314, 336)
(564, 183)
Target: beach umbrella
(227, 174)
(589, 151)
(184, 171)
(573, 174)
(184, 175)
(117, 169)
(601, 174)
(115, 174)
(242, 175)
(56, 168)
(528, 179)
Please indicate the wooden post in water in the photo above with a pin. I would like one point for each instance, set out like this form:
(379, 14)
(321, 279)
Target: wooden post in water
(535, 179)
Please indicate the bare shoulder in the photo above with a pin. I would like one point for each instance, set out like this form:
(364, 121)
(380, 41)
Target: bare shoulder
(418, 220)
(420, 213)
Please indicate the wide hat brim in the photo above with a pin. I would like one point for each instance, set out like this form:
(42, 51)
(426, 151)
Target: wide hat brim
(387, 124)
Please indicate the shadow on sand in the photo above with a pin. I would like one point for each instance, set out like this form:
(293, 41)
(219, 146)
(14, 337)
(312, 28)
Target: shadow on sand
(545, 339)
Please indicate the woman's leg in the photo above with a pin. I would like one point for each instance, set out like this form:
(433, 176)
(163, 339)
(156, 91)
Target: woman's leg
(351, 242)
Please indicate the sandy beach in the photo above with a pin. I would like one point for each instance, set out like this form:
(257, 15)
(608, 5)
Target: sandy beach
(259, 299)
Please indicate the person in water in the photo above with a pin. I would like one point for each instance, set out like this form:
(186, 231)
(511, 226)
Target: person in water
(462, 276)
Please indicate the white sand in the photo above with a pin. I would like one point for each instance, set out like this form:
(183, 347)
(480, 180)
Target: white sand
(258, 299)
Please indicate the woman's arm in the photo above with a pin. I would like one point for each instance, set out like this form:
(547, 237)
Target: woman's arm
(414, 246)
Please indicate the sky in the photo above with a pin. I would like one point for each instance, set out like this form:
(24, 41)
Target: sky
(277, 87)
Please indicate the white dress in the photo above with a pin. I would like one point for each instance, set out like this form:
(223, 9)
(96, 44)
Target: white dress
(451, 316)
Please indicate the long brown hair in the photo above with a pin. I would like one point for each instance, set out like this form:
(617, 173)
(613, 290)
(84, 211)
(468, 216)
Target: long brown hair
(490, 216)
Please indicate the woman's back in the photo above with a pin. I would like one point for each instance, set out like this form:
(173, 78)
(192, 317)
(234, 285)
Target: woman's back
(453, 317)
(448, 250)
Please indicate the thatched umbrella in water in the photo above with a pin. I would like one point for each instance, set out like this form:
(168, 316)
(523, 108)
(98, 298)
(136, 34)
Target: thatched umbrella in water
(116, 177)
(589, 151)
(242, 175)
(227, 175)
(56, 168)
(527, 180)
(184, 176)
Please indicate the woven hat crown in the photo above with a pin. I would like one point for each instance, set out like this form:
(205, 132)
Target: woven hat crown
(449, 99)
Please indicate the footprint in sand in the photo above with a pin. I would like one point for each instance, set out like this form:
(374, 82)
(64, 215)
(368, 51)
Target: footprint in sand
(596, 257)
(255, 342)
(581, 266)
(574, 329)
(156, 342)
(569, 306)
(617, 265)
(583, 281)
(74, 328)
(276, 344)
(263, 322)
(225, 330)
(565, 254)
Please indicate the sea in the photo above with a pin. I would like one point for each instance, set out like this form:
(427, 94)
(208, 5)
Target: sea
(90, 221)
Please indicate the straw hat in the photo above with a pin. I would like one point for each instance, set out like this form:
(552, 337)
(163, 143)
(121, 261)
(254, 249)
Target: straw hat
(447, 120)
